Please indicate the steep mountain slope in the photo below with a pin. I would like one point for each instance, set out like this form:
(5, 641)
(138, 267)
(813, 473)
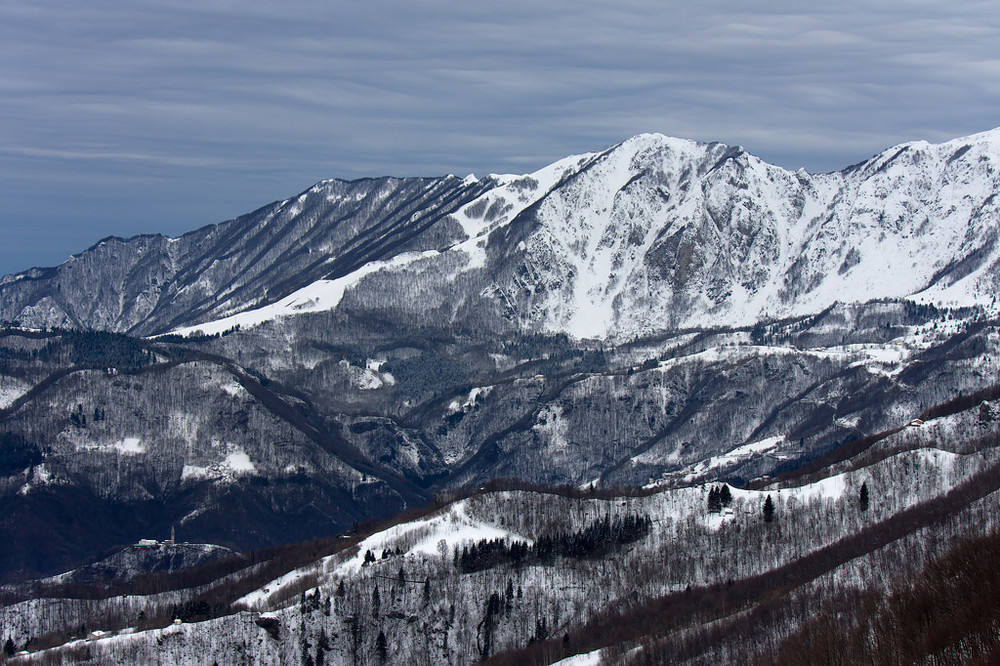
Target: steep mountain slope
(657, 233)
(152, 283)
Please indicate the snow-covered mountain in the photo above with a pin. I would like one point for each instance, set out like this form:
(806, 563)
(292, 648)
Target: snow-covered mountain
(649, 235)
(653, 314)
(152, 283)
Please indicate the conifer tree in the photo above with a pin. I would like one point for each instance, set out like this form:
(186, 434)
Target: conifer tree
(322, 647)
(863, 497)
(768, 510)
(725, 496)
(381, 648)
(714, 500)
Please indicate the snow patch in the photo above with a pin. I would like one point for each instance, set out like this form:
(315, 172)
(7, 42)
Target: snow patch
(475, 394)
(367, 379)
(239, 462)
(320, 296)
(130, 446)
(716, 464)
(11, 390)
(831, 488)
(234, 389)
(445, 531)
(40, 476)
(435, 536)
(552, 428)
(236, 463)
(714, 521)
(588, 659)
(195, 472)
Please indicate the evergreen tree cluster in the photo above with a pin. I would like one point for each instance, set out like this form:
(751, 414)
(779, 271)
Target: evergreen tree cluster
(494, 609)
(489, 553)
(386, 554)
(78, 418)
(101, 348)
(427, 372)
(311, 602)
(592, 541)
(198, 611)
(8, 354)
(719, 497)
(17, 454)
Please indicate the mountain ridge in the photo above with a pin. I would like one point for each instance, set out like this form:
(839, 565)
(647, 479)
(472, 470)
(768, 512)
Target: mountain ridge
(700, 225)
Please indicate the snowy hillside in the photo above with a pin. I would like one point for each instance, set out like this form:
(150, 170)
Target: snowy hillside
(300, 431)
(420, 585)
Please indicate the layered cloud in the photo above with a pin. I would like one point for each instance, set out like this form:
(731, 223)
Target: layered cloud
(161, 116)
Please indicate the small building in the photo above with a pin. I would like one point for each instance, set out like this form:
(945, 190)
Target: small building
(148, 542)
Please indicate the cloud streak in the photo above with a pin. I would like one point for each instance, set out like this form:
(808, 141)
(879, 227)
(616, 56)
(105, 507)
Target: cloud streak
(202, 111)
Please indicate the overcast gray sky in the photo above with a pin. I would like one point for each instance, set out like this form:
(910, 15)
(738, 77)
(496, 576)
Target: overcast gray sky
(162, 116)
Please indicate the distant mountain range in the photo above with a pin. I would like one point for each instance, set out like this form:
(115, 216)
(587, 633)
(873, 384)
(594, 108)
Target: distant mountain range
(650, 235)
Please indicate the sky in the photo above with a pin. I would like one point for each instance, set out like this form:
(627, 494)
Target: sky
(121, 118)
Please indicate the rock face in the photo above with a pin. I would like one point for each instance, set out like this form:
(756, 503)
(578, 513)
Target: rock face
(659, 312)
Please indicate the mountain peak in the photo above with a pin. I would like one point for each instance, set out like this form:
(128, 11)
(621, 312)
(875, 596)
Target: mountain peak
(663, 143)
(987, 141)
(991, 136)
